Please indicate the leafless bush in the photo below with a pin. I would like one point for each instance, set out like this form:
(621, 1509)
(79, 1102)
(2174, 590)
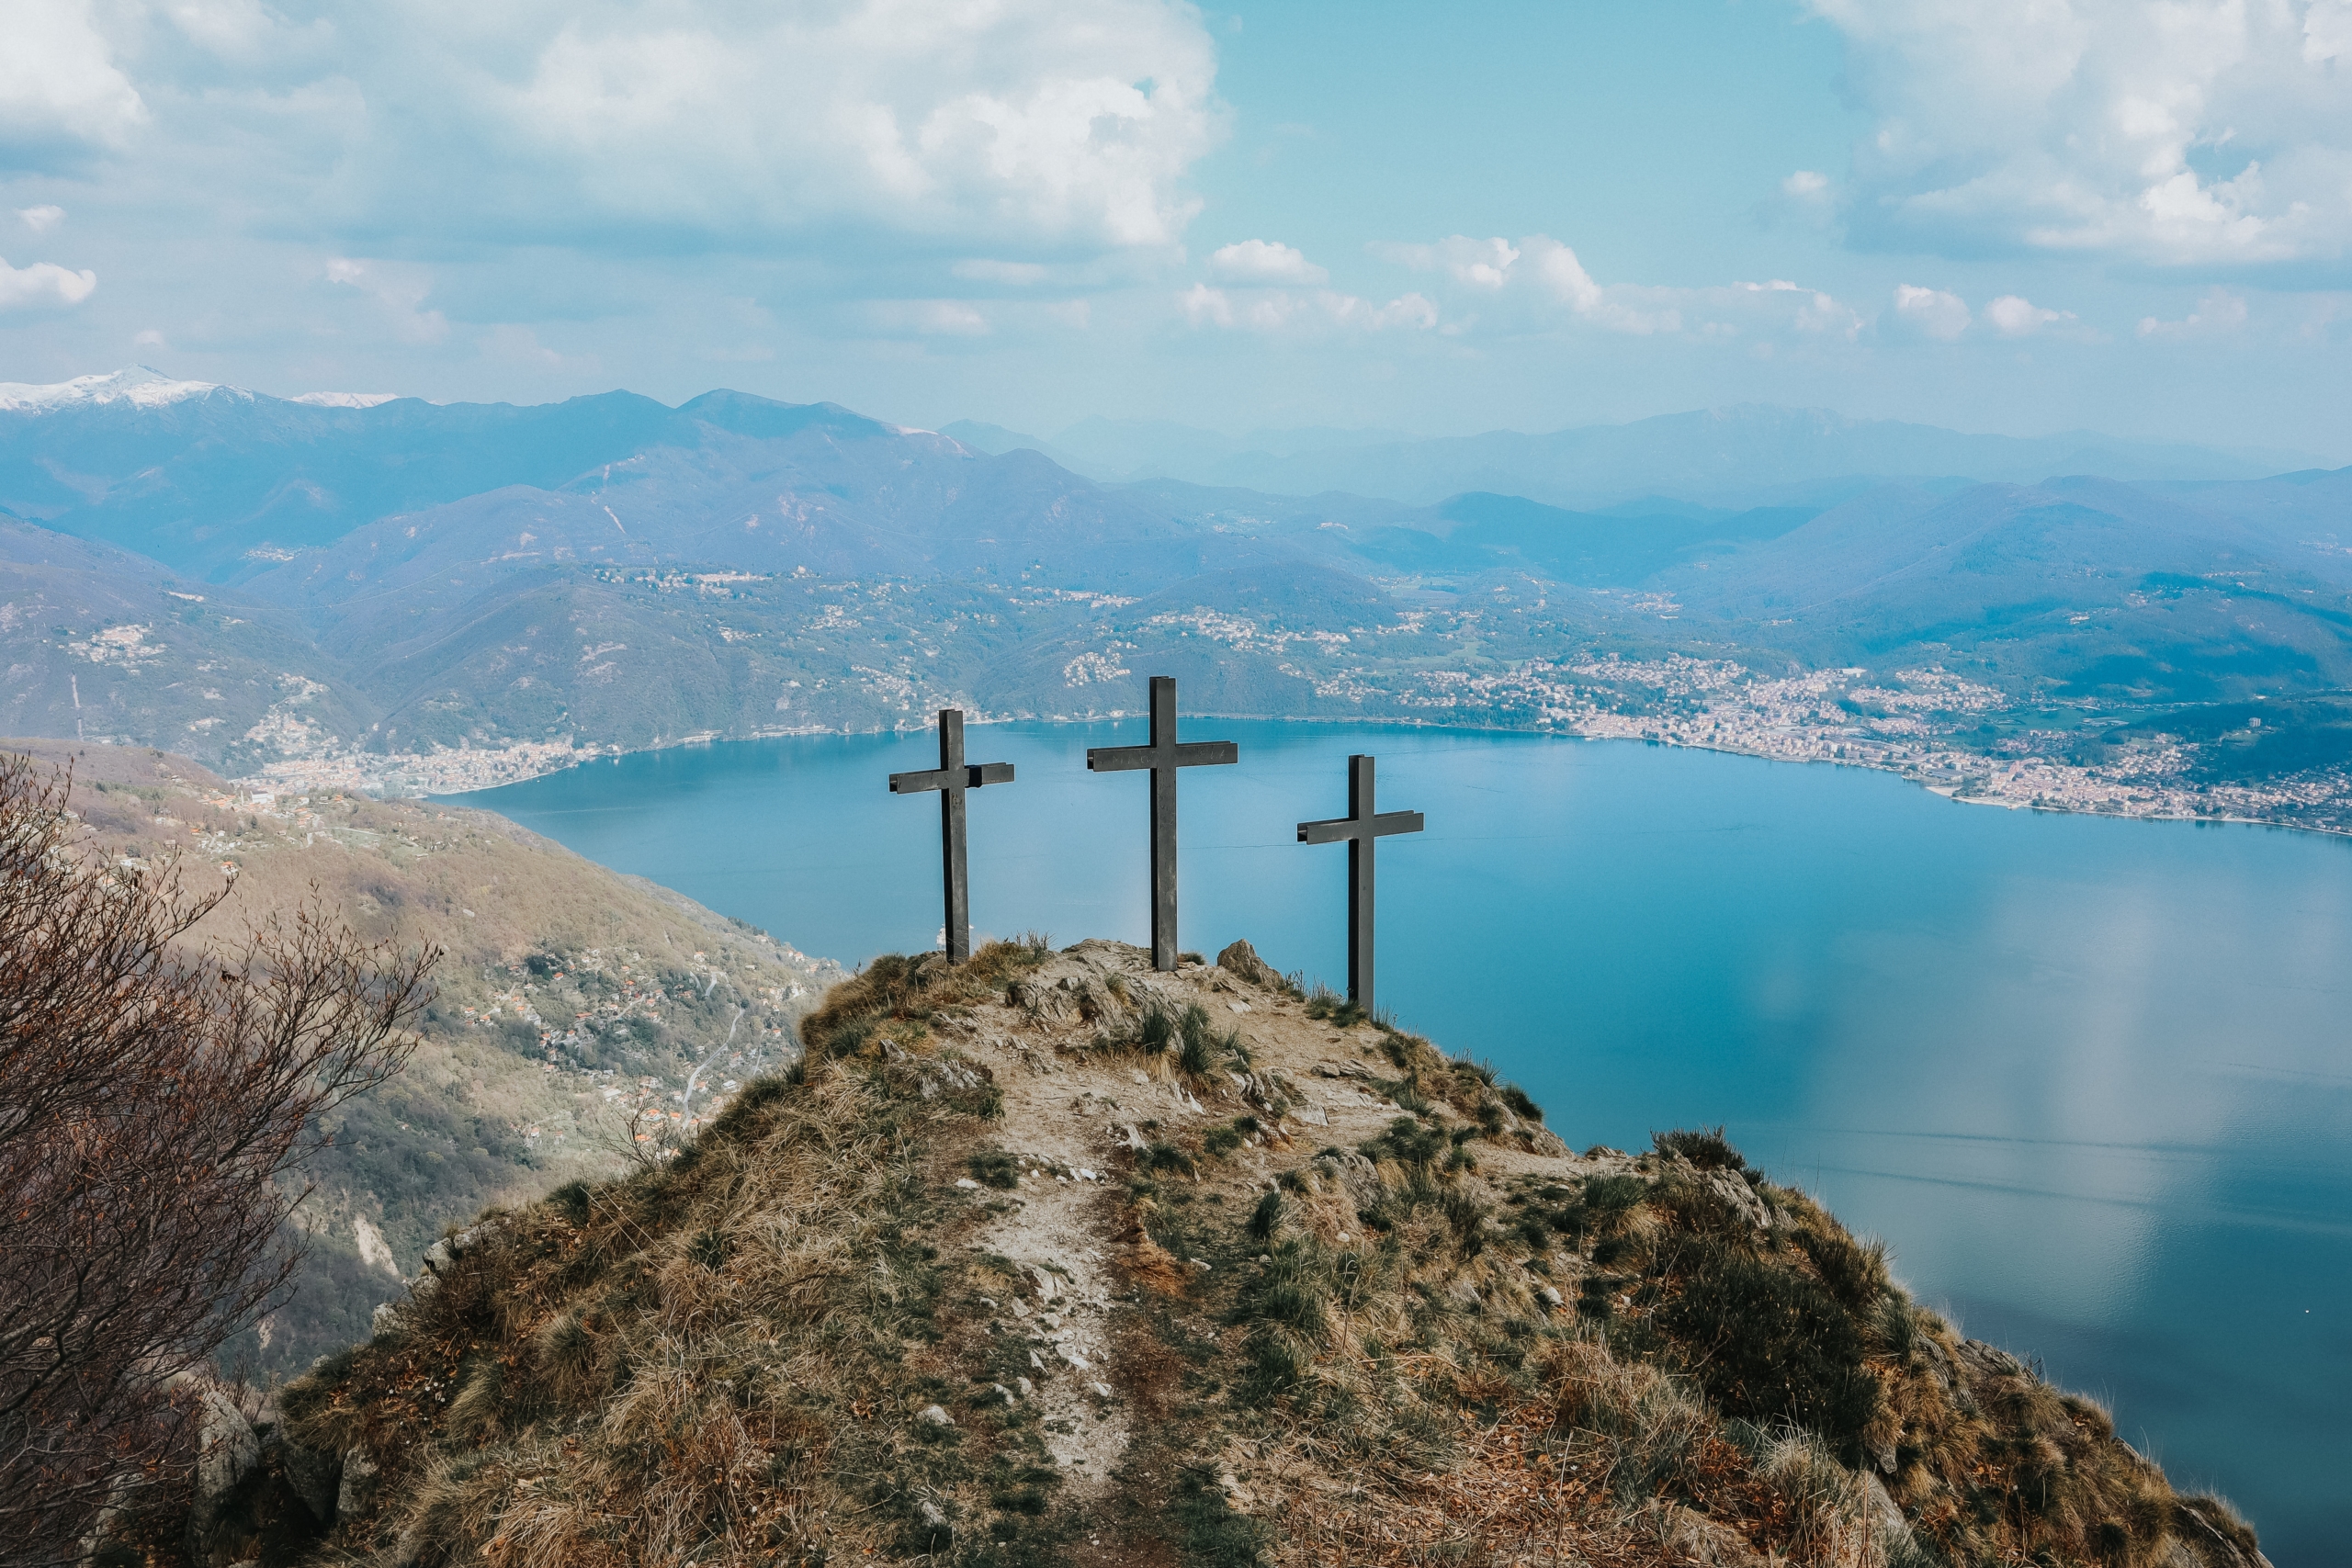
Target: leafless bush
(153, 1094)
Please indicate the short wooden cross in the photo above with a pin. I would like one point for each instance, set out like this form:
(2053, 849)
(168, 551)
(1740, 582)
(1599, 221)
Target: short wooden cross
(952, 778)
(1358, 828)
(1163, 757)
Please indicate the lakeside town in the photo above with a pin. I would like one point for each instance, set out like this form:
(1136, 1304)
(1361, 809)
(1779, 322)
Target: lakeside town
(1924, 725)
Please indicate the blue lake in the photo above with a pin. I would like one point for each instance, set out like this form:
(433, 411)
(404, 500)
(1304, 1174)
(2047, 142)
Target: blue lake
(2088, 1078)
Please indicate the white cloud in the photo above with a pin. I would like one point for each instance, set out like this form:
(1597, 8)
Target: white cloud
(1206, 306)
(1264, 261)
(2220, 314)
(399, 292)
(41, 220)
(1537, 284)
(1031, 129)
(1037, 120)
(2184, 132)
(43, 285)
(2013, 315)
(1480, 263)
(1303, 310)
(1807, 184)
(1931, 311)
(58, 77)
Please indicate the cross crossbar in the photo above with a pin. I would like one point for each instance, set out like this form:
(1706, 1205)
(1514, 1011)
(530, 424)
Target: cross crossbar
(1359, 830)
(1163, 756)
(951, 778)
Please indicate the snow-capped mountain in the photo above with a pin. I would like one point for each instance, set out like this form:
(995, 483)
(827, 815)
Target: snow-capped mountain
(136, 386)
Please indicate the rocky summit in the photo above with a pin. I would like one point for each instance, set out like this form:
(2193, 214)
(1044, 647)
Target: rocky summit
(1048, 1258)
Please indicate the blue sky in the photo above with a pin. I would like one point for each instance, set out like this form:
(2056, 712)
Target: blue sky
(2012, 215)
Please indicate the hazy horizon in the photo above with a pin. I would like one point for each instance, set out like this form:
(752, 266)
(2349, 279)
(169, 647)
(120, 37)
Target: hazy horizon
(1529, 218)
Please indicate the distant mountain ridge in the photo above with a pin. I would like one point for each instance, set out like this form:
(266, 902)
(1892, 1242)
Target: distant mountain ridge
(1742, 456)
(263, 581)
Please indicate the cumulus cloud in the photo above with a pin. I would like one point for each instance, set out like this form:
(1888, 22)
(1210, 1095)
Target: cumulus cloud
(1931, 312)
(1479, 263)
(2220, 314)
(1030, 119)
(1264, 261)
(1014, 126)
(399, 292)
(1310, 310)
(2191, 132)
(1538, 282)
(43, 286)
(41, 220)
(59, 82)
(2013, 315)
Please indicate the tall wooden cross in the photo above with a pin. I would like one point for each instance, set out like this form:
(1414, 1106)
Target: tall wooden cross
(1163, 757)
(1358, 828)
(952, 778)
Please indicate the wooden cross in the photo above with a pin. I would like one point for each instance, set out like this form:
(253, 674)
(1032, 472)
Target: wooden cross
(1358, 828)
(1163, 757)
(952, 778)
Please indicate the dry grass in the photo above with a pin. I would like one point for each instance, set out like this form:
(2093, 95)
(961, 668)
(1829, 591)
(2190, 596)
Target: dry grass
(1429, 1341)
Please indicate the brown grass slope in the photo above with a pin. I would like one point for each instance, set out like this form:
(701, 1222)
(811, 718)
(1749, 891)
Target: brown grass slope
(1048, 1258)
(512, 1090)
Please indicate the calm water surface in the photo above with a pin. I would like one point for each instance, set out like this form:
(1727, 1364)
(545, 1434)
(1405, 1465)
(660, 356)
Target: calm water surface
(2089, 1079)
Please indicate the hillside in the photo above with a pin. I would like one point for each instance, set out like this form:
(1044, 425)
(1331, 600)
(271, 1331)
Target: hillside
(1048, 1258)
(410, 598)
(571, 999)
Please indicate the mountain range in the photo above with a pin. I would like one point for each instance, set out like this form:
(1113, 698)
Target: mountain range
(253, 578)
(1738, 457)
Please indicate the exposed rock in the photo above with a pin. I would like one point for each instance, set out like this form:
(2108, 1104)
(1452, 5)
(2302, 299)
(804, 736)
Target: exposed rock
(355, 1492)
(314, 1477)
(227, 1451)
(1040, 1000)
(1240, 959)
(1741, 1197)
(936, 1416)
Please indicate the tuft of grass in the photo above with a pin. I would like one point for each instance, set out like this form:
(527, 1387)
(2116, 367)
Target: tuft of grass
(1705, 1147)
(1331, 1008)
(1855, 1271)
(1201, 1049)
(1770, 1344)
(1167, 1157)
(572, 1202)
(1210, 1534)
(994, 1167)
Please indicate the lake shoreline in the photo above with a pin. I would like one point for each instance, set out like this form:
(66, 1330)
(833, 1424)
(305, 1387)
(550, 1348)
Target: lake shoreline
(2055, 788)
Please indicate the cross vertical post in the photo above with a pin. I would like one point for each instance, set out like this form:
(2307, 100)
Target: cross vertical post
(1163, 756)
(1362, 824)
(951, 778)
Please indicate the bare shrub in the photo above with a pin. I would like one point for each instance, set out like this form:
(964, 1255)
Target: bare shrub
(155, 1094)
